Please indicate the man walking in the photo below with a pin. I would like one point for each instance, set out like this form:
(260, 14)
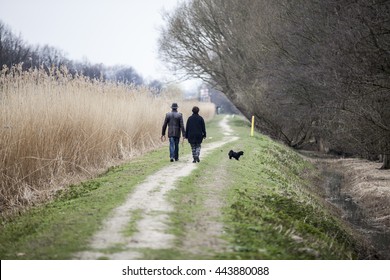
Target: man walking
(174, 121)
(195, 133)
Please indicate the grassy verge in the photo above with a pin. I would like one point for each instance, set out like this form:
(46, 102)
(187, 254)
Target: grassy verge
(273, 213)
(270, 211)
(61, 228)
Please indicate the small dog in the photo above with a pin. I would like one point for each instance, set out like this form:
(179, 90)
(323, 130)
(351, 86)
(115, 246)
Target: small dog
(235, 155)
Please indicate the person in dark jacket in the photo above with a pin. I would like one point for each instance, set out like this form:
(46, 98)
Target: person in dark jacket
(174, 121)
(195, 133)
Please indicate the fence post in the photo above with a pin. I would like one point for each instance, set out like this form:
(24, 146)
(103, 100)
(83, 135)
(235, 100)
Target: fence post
(253, 125)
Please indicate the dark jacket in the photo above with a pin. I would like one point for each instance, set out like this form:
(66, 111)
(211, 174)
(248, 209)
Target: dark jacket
(195, 129)
(175, 123)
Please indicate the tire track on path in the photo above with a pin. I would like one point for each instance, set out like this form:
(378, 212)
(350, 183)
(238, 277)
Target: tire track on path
(149, 199)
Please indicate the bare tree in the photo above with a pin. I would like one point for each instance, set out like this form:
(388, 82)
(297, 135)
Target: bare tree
(13, 49)
(307, 69)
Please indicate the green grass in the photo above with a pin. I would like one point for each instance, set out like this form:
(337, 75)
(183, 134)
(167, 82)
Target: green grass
(271, 210)
(273, 213)
(131, 227)
(59, 229)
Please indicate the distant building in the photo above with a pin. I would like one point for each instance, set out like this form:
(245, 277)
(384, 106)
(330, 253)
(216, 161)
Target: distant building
(204, 95)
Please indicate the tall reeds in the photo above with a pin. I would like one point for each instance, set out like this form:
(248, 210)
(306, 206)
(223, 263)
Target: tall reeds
(56, 129)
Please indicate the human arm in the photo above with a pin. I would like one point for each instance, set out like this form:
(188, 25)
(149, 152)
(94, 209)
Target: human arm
(164, 127)
(203, 129)
(183, 130)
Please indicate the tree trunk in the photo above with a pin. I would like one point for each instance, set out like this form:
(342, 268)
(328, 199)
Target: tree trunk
(386, 162)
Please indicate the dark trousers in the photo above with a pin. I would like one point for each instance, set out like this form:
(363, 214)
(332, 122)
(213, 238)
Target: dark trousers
(195, 150)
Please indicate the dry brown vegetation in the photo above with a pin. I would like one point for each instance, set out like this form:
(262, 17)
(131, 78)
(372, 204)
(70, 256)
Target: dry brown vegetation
(56, 129)
(362, 180)
(370, 188)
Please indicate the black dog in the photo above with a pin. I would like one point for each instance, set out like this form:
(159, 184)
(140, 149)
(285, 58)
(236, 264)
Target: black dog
(235, 155)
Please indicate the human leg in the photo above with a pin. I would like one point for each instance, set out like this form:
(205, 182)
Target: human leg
(176, 153)
(195, 151)
(198, 153)
(172, 148)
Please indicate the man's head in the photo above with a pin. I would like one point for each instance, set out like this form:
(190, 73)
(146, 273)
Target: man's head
(195, 110)
(174, 106)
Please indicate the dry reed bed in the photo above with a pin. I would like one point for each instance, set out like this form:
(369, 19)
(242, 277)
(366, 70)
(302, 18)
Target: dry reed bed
(56, 129)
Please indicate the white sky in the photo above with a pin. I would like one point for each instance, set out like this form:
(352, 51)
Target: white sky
(112, 32)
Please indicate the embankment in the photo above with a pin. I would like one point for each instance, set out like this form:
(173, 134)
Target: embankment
(271, 205)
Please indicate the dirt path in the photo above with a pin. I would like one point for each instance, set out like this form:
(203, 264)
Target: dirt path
(148, 208)
(203, 234)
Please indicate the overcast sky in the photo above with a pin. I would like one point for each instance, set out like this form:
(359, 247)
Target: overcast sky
(111, 32)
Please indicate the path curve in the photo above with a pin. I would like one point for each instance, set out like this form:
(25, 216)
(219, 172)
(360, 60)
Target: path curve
(148, 200)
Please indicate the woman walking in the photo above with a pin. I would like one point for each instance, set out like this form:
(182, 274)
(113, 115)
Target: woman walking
(195, 133)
